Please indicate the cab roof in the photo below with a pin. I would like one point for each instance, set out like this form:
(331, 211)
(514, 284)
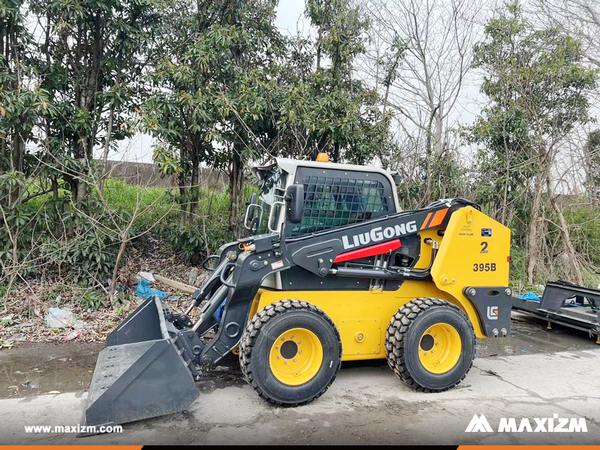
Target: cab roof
(290, 166)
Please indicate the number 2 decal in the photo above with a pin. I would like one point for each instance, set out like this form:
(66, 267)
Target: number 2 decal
(484, 267)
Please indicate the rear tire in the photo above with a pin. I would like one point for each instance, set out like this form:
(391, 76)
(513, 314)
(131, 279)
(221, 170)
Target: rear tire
(290, 353)
(430, 344)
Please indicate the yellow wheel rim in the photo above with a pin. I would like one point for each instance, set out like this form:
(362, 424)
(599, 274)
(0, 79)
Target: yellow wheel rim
(440, 348)
(296, 356)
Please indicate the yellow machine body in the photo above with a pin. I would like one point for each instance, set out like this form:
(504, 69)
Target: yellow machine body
(465, 259)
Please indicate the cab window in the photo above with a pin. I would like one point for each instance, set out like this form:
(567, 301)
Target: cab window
(334, 198)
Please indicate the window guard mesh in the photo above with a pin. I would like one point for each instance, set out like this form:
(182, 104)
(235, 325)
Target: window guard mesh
(331, 202)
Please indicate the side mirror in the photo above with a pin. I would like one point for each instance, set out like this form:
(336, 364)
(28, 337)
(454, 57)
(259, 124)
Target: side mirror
(294, 198)
(251, 208)
(252, 205)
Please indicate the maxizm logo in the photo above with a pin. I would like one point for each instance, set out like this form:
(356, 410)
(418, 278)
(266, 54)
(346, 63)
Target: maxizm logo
(378, 234)
(479, 424)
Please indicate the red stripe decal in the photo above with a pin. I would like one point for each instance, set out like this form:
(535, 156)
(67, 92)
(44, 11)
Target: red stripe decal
(373, 250)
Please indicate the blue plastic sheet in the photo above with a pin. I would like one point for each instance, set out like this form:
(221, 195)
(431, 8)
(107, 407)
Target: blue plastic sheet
(219, 312)
(143, 290)
(530, 296)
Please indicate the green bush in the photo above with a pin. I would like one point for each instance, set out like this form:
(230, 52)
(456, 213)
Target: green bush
(93, 300)
(188, 244)
(211, 228)
(155, 205)
(585, 231)
(60, 238)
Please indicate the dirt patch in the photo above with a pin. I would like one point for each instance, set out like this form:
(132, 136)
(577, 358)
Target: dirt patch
(42, 368)
(226, 374)
(32, 369)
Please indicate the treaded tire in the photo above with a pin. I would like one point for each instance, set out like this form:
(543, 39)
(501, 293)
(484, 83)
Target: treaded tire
(259, 336)
(403, 339)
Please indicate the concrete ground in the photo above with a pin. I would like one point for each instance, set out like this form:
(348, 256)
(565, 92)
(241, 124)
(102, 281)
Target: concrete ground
(533, 374)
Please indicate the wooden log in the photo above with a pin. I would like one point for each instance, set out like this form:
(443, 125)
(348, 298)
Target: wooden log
(176, 284)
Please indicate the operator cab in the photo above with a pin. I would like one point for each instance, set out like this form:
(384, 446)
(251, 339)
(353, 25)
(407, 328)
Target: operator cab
(299, 198)
(334, 195)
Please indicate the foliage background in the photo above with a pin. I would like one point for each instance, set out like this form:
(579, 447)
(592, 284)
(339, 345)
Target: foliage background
(218, 85)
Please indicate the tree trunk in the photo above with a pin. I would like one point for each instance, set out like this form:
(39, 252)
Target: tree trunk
(504, 215)
(566, 237)
(236, 190)
(195, 189)
(103, 172)
(57, 208)
(3, 152)
(18, 149)
(533, 247)
(81, 186)
(55, 188)
(182, 200)
(319, 49)
(336, 153)
(429, 155)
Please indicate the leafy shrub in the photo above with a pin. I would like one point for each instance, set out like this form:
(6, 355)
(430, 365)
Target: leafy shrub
(188, 244)
(93, 300)
(210, 230)
(585, 231)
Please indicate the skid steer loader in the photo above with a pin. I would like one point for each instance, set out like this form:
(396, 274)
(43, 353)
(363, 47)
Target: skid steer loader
(332, 271)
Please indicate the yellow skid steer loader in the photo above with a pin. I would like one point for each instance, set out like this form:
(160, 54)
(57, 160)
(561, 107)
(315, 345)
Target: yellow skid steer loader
(332, 271)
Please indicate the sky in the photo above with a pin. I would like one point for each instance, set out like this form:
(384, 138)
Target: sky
(289, 21)
(289, 18)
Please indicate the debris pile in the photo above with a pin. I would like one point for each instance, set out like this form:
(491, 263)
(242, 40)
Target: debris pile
(52, 311)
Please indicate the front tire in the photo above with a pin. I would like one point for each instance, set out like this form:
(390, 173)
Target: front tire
(290, 353)
(430, 344)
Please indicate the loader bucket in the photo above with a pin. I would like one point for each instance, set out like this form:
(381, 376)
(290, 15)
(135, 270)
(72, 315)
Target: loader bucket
(141, 373)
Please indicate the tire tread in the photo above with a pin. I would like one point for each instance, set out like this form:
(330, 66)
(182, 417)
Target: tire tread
(252, 332)
(396, 334)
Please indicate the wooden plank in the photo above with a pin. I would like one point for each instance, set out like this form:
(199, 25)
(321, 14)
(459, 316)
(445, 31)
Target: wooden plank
(176, 284)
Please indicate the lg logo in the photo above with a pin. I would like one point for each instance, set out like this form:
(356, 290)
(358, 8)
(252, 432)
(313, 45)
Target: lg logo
(492, 312)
